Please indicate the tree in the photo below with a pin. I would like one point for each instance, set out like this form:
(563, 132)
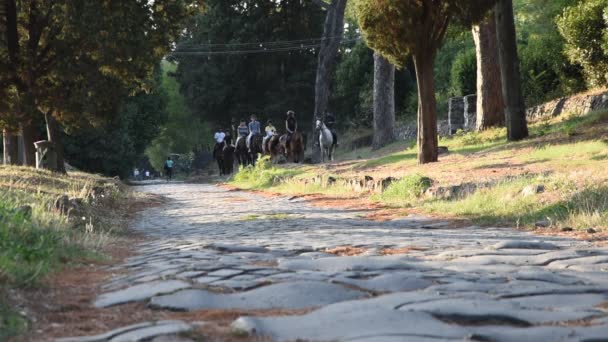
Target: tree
(490, 104)
(402, 28)
(584, 27)
(219, 87)
(332, 37)
(384, 102)
(515, 110)
(70, 60)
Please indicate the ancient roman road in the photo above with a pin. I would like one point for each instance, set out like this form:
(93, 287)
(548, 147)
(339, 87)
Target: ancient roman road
(210, 248)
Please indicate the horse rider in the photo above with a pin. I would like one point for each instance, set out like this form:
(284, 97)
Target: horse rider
(242, 132)
(254, 128)
(233, 127)
(219, 138)
(291, 125)
(228, 137)
(330, 122)
(270, 132)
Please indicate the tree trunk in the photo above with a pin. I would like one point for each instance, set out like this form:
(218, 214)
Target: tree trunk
(517, 127)
(11, 148)
(384, 102)
(490, 104)
(332, 37)
(29, 151)
(427, 109)
(53, 131)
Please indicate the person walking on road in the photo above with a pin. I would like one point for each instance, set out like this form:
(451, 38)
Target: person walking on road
(169, 168)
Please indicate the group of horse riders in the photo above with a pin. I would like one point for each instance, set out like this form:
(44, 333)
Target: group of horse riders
(271, 142)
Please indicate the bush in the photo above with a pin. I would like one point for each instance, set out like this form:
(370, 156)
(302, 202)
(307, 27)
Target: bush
(406, 190)
(463, 76)
(262, 175)
(26, 251)
(583, 26)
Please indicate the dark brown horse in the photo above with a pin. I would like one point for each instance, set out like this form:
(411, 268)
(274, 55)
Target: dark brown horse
(241, 153)
(295, 151)
(227, 167)
(255, 146)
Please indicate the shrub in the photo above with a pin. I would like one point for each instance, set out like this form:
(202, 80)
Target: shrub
(583, 26)
(463, 76)
(406, 190)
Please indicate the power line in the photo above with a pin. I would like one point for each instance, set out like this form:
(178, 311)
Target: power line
(258, 50)
(269, 43)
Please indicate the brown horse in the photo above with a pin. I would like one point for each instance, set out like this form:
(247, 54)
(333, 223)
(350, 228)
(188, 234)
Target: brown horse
(256, 147)
(227, 167)
(295, 151)
(242, 155)
(275, 148)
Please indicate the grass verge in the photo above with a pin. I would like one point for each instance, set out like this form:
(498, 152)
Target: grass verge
(37, 238)
(566, 155)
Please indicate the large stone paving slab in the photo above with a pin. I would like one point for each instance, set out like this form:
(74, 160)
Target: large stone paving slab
(139, 292)
(483, 284)
(135, 333)
(292, 295)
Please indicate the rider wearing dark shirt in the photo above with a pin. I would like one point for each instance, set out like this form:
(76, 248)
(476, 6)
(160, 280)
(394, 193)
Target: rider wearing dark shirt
(330, 122)
(291, 125)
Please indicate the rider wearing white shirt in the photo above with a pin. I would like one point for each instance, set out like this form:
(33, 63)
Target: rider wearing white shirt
(219, 137)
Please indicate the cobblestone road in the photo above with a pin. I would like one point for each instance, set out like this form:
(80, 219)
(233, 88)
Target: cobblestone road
(211, 248)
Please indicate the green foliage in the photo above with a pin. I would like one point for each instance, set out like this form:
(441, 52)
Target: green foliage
(26, 252)
(406, 191)
(262, 175)
(114, 148)
(183, 132)
(354, 80)
(11, 323)
(464, 74)
(76, 58)
(224, 87)
(394, 28)
(584, 29)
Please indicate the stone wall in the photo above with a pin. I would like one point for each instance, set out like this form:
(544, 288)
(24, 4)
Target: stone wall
(462, 110)
(455, 114)
(470, 112)
(578, 104)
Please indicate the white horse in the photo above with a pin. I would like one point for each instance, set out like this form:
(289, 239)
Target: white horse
(326, 141)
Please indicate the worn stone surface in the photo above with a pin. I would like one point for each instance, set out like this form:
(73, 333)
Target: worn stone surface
(139, 292)
(291, 295)
(457, 283)
(135, 333)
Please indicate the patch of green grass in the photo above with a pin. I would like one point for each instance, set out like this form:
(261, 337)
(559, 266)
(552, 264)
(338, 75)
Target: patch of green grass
(37, 242)
(11, 323)
(263, 175)
(499, 204)
(569, 126)
(405, 192)
(581, 150)
(297, 186)
(251, 217)
(409, 155)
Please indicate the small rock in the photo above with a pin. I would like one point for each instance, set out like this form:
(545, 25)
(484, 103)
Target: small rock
(591, 231)
(567, 229)
(542, 224)
(25, 211)
(533, 190)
